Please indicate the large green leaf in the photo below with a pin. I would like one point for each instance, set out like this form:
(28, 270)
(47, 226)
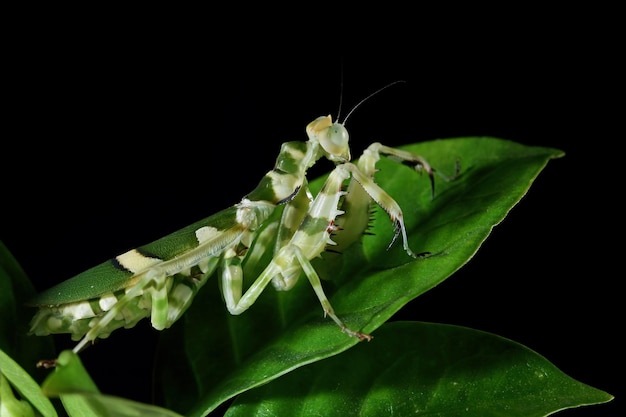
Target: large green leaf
(210, 356)
(423, 369)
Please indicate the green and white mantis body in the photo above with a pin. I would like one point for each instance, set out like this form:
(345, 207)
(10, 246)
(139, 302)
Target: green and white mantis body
(159, 280)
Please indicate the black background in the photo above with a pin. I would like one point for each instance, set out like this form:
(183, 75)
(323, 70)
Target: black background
(114, 141)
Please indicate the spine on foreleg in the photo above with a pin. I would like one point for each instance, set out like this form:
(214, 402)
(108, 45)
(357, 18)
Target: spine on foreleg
(314, 234)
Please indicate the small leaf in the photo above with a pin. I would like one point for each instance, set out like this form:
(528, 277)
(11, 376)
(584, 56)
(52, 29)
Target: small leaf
(81, 398)
(11, 406)
(429, 369)
(69, 376)
(28, 389)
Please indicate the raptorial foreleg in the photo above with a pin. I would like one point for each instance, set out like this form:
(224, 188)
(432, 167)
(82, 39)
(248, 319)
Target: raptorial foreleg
(386, 202)
(367, 163)
(363, 190)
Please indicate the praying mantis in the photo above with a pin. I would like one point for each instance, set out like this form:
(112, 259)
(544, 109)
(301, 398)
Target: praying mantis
(159, 280)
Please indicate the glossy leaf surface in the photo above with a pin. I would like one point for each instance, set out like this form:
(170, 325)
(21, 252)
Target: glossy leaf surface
(417, 368)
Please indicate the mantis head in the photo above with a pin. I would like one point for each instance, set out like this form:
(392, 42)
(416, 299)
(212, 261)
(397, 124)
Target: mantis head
(332, 137)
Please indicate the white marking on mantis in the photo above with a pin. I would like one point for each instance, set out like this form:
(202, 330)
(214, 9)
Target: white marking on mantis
(134, 261)
(206, 233)
(283, 184)
(107, 301)
(79, 311)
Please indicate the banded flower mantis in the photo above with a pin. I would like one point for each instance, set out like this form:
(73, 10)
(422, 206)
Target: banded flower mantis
(159, 280)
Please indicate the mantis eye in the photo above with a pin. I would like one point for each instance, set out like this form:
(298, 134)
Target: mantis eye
(333, 137)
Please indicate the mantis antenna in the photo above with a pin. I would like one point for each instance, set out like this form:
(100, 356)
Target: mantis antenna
(366, 98)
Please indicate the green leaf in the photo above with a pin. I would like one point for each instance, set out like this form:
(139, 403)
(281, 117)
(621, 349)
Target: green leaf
(209, 357)
(27, 387)
(99, 405)
(11, 406)
(69, 376)
(81, 398)
(423, 368)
